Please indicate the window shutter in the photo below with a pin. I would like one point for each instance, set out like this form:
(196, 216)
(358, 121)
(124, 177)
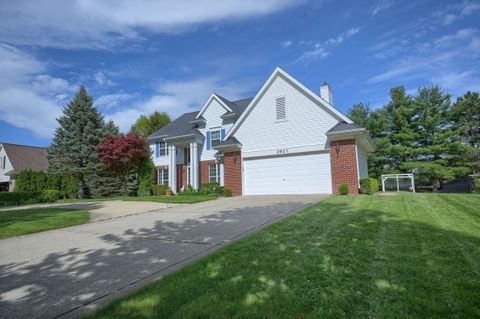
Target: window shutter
(209, 146)
(222, 134)
(157, 149)
(280, 106)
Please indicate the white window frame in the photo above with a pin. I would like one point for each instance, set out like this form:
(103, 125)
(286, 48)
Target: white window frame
(216, 169)
(4, 162)
(164, 149)
(212, 139)
(162, 176)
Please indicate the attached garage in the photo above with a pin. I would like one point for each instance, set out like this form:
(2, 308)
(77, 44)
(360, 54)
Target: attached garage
(288, 174)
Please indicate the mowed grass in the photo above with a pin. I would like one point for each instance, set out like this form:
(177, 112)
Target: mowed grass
(402, 256)
(28, 221)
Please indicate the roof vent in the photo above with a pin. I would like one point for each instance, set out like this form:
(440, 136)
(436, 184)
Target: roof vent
(326, 92)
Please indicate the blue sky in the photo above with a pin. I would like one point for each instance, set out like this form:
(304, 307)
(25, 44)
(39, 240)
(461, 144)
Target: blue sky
(136, 57)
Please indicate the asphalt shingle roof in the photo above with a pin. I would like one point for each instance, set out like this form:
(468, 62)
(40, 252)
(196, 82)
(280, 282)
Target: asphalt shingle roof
(344, 126)
(228, 142)
(26, 157)
(182, 126)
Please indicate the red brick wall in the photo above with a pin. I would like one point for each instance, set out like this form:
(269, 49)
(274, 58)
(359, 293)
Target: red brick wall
(204, 171)
(232, 163)
(344, 165)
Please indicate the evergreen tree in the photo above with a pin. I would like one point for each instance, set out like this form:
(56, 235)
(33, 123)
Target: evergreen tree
(105, 183)
(73, 151)
(146, 125)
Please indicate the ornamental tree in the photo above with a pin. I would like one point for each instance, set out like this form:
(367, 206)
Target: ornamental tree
(122, 155)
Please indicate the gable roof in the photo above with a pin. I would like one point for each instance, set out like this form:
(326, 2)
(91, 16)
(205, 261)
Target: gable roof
(179, 127)
(186, 123)
(26, 157)
(280, 72)
(344, 127)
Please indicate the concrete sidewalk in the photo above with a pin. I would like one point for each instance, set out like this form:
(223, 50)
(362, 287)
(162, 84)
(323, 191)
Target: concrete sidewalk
(66, 272)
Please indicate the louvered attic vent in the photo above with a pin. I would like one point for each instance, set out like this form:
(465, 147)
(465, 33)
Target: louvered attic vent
(281, 112)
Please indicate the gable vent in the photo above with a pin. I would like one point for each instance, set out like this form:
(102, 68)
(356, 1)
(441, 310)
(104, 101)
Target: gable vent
(281, 112)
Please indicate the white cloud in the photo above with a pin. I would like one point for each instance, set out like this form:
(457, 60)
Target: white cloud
(105, 24)
(459, 11)
(383, 5)
(320, 50)
(29, 98)
(178, 97)
(285, 44)
(449, 61)
(109, 101)
(102, 80)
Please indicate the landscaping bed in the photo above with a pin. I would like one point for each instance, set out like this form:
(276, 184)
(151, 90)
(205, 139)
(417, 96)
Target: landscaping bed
(28, 221)
(402, 256)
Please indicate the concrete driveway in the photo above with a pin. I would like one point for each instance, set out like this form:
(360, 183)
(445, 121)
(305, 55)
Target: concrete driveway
(67, 272)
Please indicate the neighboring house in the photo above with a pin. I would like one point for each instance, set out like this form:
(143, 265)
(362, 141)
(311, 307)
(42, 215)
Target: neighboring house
(16, 158)
(284, 140)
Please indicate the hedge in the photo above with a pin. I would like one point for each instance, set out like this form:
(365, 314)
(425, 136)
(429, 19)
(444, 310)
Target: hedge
(22, 198)
(368, 185)
(30, 181)
(211, 188)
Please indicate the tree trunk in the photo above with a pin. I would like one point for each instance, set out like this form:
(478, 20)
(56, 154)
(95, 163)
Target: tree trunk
(83, 190)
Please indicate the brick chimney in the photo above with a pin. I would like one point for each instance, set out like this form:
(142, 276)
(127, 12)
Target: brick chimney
(326, 92)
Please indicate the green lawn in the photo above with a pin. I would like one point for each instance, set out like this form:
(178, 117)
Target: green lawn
(27, 221)
(402, 256)
(183, 199)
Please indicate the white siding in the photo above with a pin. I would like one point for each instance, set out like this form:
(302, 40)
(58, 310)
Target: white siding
(300, 174)
(163, 160)
(213, 119)
(306, 122)
(8, 167)
(362, 162)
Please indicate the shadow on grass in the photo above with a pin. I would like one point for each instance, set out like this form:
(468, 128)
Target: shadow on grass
(332, 260)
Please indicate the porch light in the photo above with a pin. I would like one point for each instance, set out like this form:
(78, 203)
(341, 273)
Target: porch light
(337, 148)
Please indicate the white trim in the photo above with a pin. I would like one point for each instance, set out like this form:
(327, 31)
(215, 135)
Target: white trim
(280, 72)
(358, 166)
(289, 151)
(205, 106)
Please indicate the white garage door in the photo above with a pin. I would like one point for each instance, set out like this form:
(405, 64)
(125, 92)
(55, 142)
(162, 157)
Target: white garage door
(302, 174)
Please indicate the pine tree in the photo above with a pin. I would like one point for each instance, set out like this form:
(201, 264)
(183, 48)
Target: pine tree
(73, 151)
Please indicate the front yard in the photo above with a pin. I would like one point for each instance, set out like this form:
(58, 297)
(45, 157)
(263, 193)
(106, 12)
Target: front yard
(401, 256)
(28, 221)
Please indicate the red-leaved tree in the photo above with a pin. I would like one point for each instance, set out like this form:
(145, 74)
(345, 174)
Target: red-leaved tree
(122, 154)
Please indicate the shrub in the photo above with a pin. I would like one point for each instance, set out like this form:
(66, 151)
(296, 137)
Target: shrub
(158, 190)
(144, 188)
(227, 192)
(343, 189)
(368, 185)
(189, 190)
(20, 198)
(212, 188)
(30, 181)
(50, 195)
(69, 186)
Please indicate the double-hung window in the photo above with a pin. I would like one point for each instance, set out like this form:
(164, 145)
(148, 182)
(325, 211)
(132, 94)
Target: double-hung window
(214, 173)
(216, 138)
(163, 149)
(162, 176)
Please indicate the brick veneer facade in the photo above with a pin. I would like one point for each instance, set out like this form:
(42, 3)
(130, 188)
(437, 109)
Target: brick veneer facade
(204, 174)
(344, 165)
(232, 164)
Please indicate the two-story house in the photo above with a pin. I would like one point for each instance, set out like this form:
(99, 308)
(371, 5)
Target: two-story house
(15, 158)
(284, 140)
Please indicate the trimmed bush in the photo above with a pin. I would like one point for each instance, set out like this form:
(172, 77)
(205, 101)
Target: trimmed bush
(50, 195)
(144, 188)
(189, 191)
(158, 190)
(20, 198)
(227, 192)
(343, 189)
(30, 181)
(368, 185)
(212, 188)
